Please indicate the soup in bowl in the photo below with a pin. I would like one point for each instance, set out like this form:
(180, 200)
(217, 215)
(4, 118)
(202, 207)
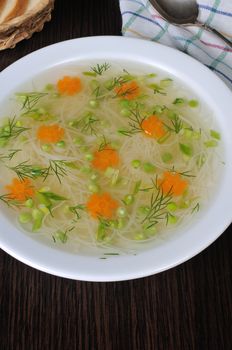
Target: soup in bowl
(113, 166)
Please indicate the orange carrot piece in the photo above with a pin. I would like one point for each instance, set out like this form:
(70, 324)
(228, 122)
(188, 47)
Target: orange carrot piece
(102, 205)
(153, 127)
(20, 190)
(105, 158)
(69, 85)
(50, 133)
(128, 91)
(172, 182)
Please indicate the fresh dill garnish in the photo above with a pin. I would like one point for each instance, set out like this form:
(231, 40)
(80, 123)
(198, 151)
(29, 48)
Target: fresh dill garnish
(123, 93)
(10, 155)
(177, 124)
(99, 69)
(135, 123)
(25, 170)
(30, 99)
(117, 82)
(9, 201)
(57, 168)
(103, 144)
(62, 236)
(11, 130)
(196, 208)
(158, 205)
(87, 124)
(182, 173)
(75, 210)
(157, 89)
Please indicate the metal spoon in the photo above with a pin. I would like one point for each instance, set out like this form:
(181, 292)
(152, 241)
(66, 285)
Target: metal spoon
(183, 12)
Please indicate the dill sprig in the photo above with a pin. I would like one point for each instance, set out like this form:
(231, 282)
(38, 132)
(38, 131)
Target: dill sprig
(123, 93)
(11, 130)
(177, 124)
(87, 124)
(103, 227)
(7, 199)
(75, 210)
(10, 155)
(117, 81)
(26, 170)
(103, 144)
(135, 123)
(186, 173)
(99, 69)
(57, 168)
(196, 208)
(158, 205)
(30, 99)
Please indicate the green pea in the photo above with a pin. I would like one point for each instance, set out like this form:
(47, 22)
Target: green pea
(46, 147)
(29, 203)
(61, 144)
(93, 103)
(193, 103)
(121, 212)
(89, 156)
(172, 219)
(172, 206)
(94, 188)
(148, 167)
(125, 112)
(166, 157)
(129, 199)
(136, 163)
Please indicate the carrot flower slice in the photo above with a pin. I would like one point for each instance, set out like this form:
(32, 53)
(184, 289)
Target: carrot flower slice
(102, 205)
(153, 127)
(69, 85)
(172, 182)
(128, 91)
(20, 189)
(50, 133)
(105, 158)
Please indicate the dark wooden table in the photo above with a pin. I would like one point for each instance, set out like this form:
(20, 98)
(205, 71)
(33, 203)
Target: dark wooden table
(188, 307)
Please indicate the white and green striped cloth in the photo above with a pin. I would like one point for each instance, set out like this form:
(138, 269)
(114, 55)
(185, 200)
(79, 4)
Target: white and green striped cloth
(141, 20)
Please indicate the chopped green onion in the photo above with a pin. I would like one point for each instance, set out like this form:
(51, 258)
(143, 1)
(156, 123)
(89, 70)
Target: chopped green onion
(61, 144)
(186, 149)
(151, 75)
(24, 218)
(93, 103)
(171, 114)
(158, 109)
(37, 214)
(29, 203)
(121, 223)
(44, 189)
(165, 82)
(167, 157)
(43, 208)
(148, 167)
(164, 138)
(121, 212)
(211, 143)
(215, 134)
(43, 199)
(109, 172)
(129, 199)
(193, 103)
(89, 74)
(200, 160)
(61, 236)
(178, 101)
(136, 163)
(94, 188)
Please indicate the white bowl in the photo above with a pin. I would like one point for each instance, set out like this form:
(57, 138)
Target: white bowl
(185, 243)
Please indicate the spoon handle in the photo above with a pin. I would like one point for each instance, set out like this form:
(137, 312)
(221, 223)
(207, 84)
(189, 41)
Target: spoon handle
(228, 42)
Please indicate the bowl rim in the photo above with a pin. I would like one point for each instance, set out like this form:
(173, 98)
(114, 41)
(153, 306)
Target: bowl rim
(146, 263)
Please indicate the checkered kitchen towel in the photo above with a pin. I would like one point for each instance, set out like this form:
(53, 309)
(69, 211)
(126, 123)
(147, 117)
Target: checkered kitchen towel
(142, 21)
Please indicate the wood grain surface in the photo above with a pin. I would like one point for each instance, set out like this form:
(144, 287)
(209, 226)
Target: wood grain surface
(188, 307)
